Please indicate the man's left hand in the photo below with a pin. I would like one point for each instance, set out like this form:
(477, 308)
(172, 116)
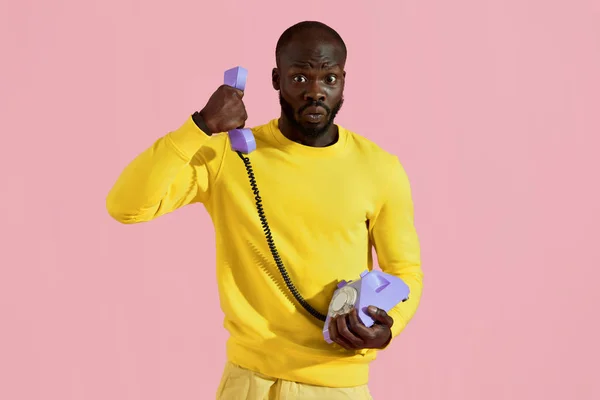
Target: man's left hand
(347, 331)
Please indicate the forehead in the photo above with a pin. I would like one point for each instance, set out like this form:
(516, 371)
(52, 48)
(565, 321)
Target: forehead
(306, 51)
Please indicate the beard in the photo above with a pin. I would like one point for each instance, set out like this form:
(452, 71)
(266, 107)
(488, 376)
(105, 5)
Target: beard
(309, 131)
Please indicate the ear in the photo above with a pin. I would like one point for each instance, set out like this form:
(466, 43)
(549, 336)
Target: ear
(275, 79)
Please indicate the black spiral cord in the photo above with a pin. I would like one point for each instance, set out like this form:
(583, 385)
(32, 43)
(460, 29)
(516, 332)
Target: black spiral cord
(274, 252)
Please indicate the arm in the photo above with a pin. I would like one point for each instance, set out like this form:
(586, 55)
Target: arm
(178, 169)
(396, 243)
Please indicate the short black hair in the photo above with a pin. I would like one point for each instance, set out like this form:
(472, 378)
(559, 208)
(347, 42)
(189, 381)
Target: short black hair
(304, 26)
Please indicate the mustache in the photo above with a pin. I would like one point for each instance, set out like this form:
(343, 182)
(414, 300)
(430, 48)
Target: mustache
(314, 104)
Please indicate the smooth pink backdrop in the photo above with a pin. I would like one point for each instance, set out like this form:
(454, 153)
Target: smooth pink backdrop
(493, 107)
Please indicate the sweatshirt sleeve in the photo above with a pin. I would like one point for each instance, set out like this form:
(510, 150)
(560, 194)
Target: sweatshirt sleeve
(396, 243)
(178, 169)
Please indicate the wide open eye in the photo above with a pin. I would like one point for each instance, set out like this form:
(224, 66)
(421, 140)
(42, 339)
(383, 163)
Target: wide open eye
(300, 79)
(331, 79)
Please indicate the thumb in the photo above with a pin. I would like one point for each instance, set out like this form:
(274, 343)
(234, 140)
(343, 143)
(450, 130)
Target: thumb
(380, 316)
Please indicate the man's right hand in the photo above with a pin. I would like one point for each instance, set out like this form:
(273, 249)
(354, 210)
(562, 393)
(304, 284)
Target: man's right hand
(225, 110)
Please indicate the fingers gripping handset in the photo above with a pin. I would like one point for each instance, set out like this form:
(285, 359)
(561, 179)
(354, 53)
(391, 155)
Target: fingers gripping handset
(241, 139)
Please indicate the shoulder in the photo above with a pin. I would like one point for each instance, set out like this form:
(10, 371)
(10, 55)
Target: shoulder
(263, 131)
(384, 168)
(371, 153)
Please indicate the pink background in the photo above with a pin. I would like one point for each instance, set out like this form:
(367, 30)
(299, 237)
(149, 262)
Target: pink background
(493, 107)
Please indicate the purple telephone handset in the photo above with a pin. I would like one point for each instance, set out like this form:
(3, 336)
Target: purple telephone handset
(375, 288)
(242, 140)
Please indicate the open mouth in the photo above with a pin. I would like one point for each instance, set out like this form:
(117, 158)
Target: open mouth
(315, 110)
(314, 114)
(311, 117)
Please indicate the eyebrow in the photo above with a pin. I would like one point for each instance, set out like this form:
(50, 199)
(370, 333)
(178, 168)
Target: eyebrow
(306, 65)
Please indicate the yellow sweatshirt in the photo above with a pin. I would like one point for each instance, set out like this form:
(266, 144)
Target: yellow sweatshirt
(327, 208)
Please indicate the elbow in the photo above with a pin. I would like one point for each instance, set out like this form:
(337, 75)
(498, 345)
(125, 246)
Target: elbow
(118, 212)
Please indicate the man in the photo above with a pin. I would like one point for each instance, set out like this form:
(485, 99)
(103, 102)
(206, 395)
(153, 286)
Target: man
(329, 195)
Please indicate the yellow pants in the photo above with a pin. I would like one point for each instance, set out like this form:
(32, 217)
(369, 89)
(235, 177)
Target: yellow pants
(241, 384)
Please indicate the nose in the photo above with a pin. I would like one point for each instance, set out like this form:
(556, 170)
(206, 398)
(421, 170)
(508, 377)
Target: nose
(315, 93)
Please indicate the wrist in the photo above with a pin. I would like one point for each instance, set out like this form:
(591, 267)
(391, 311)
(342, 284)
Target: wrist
(201, 123)
(387, 342)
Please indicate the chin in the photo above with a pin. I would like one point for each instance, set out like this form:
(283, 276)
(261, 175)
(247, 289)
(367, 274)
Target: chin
(312, 130)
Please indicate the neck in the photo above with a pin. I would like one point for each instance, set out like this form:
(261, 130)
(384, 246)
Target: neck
(290, 131)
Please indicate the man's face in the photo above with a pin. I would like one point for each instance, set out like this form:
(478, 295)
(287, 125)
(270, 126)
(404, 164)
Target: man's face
(310, 80)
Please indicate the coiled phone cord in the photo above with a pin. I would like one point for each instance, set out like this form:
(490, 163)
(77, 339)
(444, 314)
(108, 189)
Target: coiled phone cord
(272, 247)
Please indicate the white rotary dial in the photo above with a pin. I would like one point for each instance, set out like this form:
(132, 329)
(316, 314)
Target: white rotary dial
(343, 301)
